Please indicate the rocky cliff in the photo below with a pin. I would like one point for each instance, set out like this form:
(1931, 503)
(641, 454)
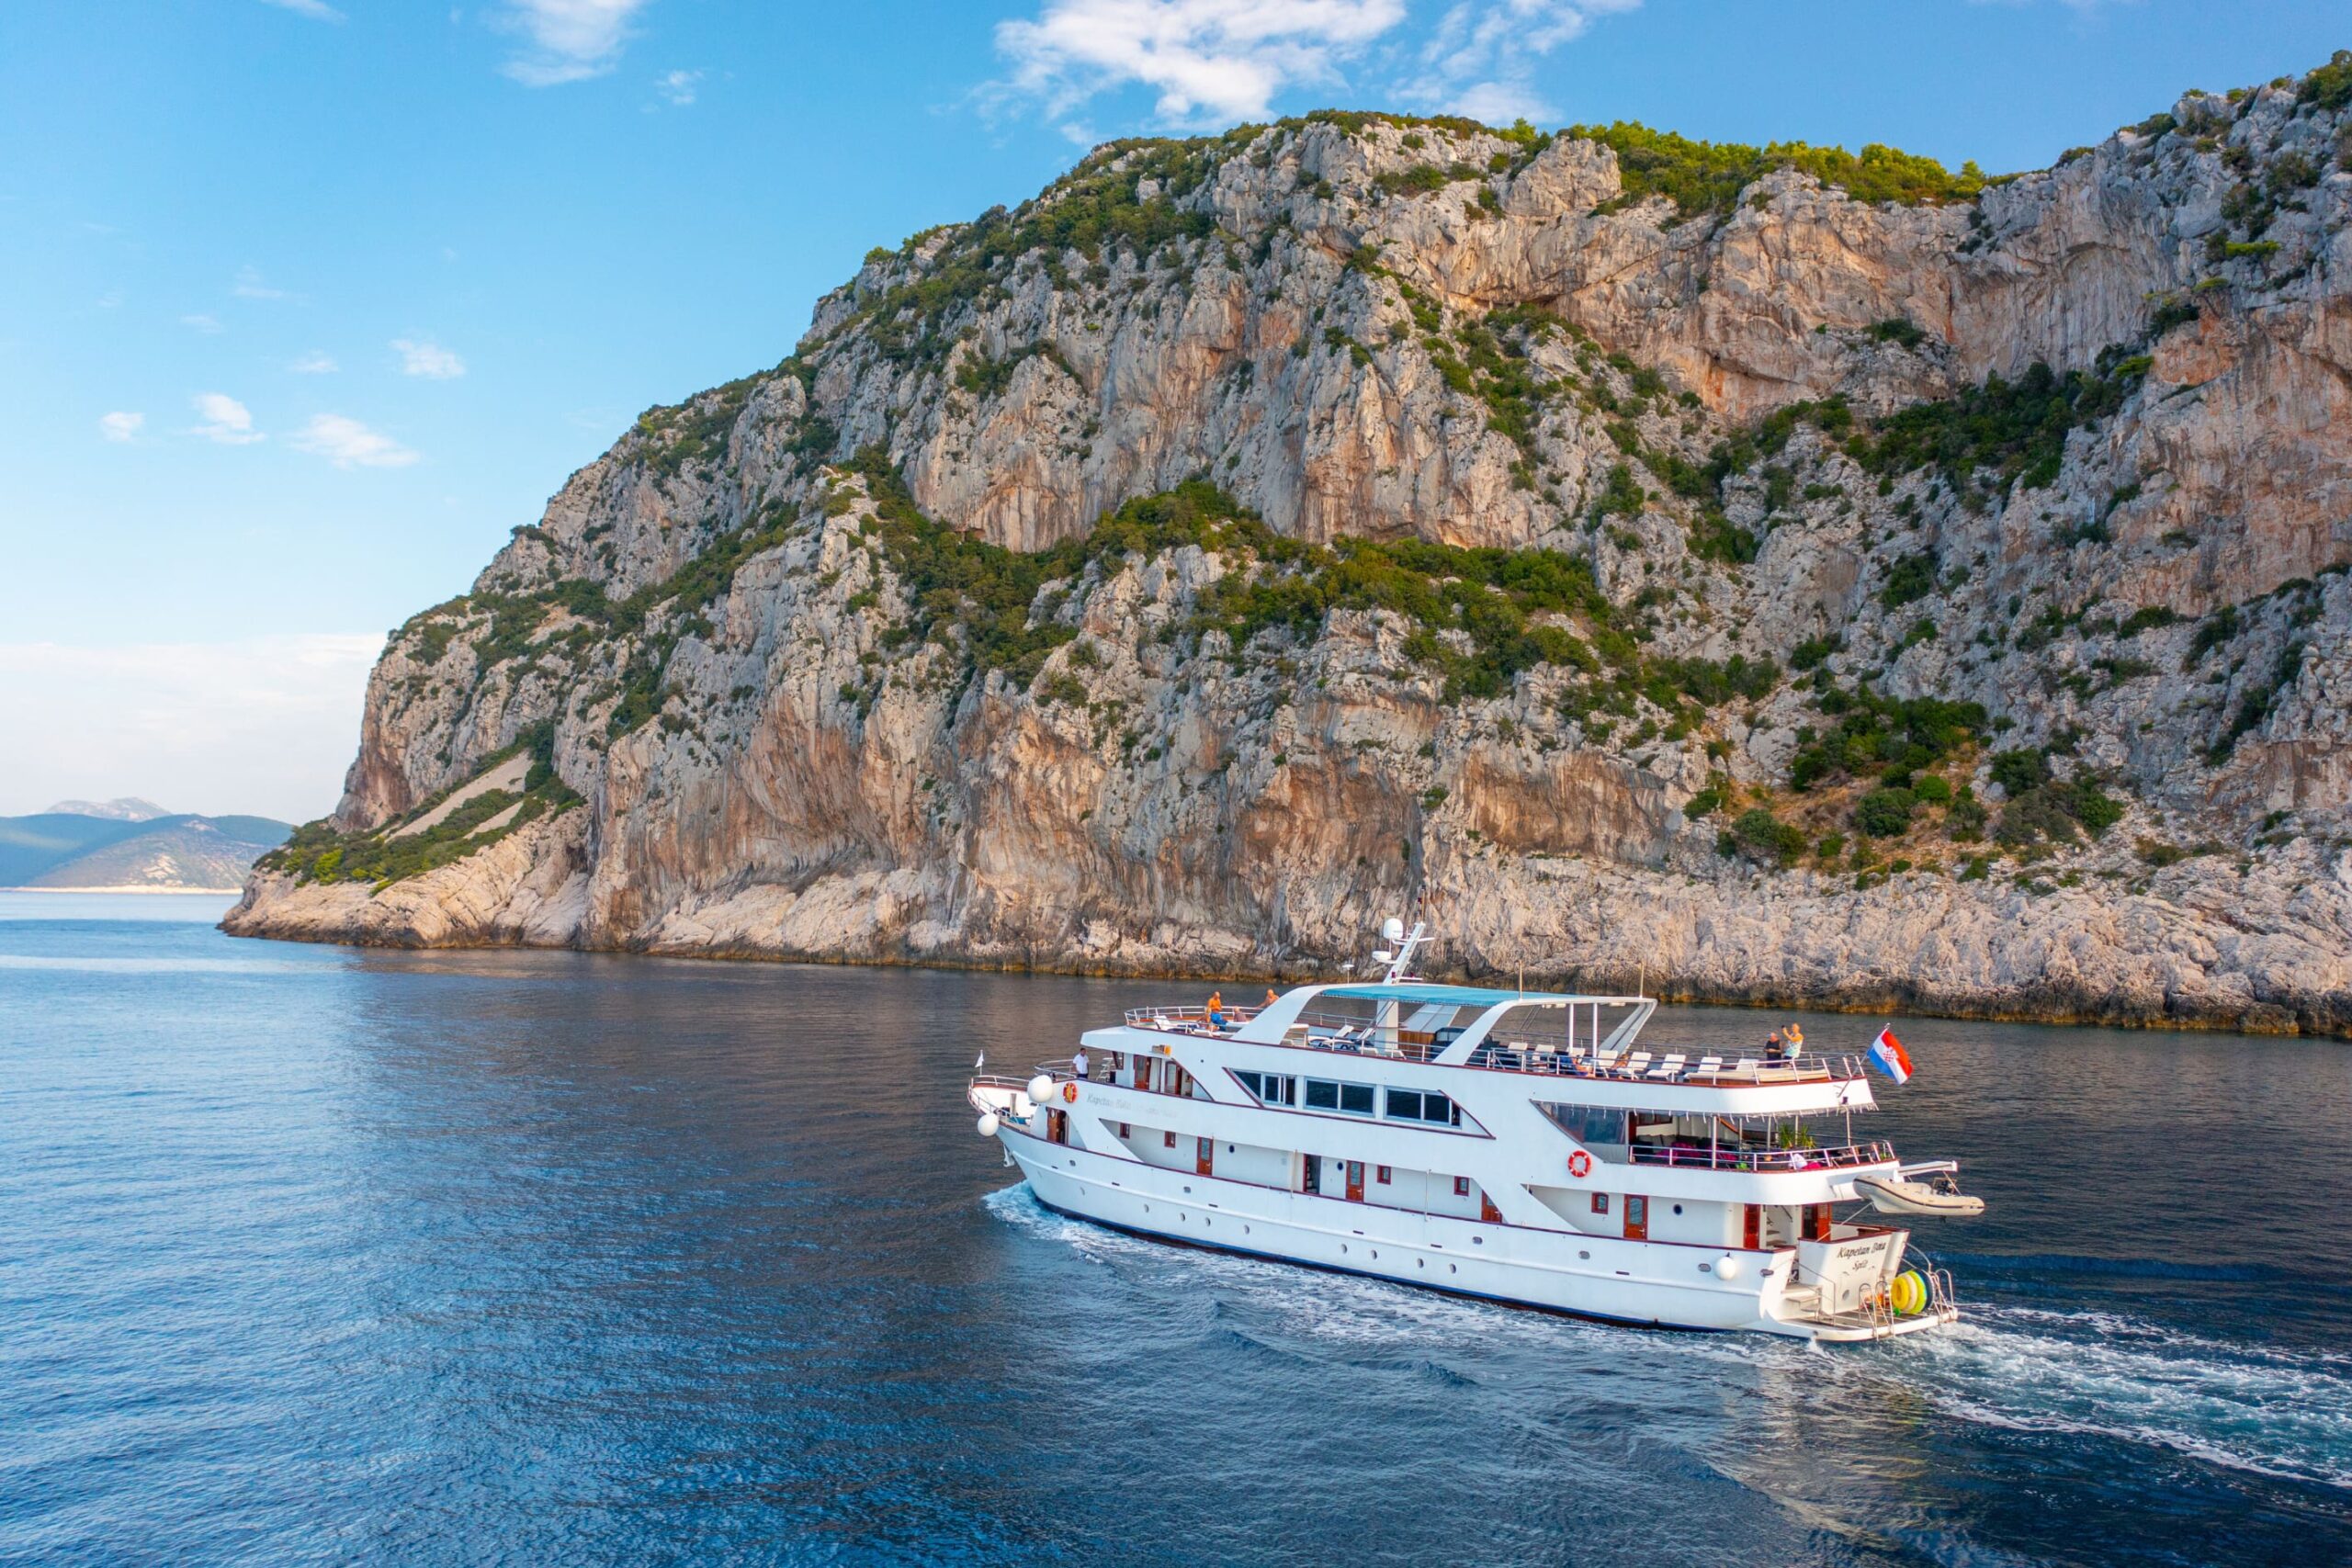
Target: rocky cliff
(1766, 573)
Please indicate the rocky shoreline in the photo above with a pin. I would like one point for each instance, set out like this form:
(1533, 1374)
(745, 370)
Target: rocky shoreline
(1934, 596)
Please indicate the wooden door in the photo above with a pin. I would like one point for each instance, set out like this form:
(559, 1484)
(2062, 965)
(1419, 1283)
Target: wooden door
(1355, 1181)
(1637, 1218)
(1205, 1156)
(1487, 1210)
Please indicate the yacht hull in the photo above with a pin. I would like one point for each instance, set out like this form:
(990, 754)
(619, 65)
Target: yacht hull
(1635, 1284)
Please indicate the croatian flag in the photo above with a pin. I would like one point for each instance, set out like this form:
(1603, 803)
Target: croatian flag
(1887, 1055)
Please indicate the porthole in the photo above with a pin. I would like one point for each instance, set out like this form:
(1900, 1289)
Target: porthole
(1420, 1262)
(1376, 1254)
(1678, 1208)
(1343, 1247)
(1453, 1269)
(1585, 1256)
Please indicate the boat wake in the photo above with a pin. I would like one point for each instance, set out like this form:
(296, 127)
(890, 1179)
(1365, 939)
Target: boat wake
(2269, 1411)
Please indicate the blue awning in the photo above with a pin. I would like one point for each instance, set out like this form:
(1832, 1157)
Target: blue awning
(1443, 995)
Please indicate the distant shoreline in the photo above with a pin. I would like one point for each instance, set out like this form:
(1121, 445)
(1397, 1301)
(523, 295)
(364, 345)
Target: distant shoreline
(214, 892)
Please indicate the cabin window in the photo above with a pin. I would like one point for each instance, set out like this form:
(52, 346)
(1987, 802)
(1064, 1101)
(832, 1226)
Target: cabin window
(1354, 1099)
(1415, 1105)
(1380, 1173)
(1462, 1186)
(1272, 1088)
(1600, 1203)
(1123, 1132)
(1167, 1140)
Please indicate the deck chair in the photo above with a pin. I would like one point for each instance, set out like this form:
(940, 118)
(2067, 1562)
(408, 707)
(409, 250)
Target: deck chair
(1668, 1066)
(1708, 1068)
(1635, 1066)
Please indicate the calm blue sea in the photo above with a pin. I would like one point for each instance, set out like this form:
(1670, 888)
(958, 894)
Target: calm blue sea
(317, 1255)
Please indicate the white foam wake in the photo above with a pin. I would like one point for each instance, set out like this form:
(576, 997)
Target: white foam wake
(2271, 1411)
(2257, 1408)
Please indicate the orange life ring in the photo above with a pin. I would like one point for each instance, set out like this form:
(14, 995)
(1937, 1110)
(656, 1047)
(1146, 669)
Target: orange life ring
(1069, 1093)
(1579, 1163)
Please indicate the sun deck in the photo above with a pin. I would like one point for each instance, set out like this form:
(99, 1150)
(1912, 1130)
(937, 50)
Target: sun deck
(1422, 1037)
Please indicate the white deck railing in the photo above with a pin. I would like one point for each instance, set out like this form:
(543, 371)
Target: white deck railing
(1765, 1160)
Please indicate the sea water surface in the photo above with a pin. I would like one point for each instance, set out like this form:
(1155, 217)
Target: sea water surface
(312, 1255)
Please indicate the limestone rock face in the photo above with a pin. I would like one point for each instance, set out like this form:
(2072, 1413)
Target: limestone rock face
(1389, 332)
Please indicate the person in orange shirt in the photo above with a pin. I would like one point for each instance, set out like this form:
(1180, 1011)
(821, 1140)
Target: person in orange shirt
(1217, 1010)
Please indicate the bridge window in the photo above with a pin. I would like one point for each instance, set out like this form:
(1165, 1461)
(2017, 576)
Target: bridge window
(1354, 1099)
(1272, 1088)
(1415, 1105)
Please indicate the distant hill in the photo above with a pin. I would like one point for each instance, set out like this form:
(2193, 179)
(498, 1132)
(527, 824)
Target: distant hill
(164, 853)
(122, 808)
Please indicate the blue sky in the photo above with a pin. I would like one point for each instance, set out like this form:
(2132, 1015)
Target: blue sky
(305, 304)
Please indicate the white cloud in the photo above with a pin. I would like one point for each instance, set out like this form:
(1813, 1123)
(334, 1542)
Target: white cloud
(1211, 60)
(317, 10)
(314, 364)
(121, 427)
(226, 420)
(262, 725)
(249, 286)
(677, 87)
(571, 39)
(1501, 103)
(1479, 59)
(203, 324)
(347, 444)
(430, 360)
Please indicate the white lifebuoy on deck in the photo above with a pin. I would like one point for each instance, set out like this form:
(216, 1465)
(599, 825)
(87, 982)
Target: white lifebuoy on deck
(1041, 1088)
(988, 1124)
(1727, 1266)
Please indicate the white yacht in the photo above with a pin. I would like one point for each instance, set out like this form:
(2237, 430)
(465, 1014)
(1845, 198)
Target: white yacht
(1506, 1144)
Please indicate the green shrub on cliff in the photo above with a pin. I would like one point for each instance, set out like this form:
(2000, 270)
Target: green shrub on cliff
(1707, 176)
(317, 852)
(1875, 733)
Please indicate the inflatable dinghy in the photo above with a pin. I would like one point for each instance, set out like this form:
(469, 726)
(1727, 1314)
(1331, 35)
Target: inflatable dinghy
(1890, 1196)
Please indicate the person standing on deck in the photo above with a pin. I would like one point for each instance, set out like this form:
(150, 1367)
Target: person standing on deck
(1078, 1062)
(1217, 1010)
